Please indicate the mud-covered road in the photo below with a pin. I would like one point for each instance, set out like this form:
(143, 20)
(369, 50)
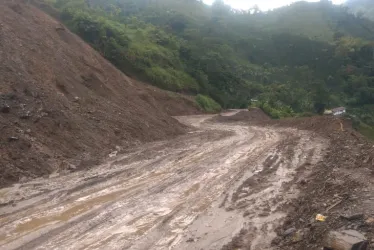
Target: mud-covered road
(196, 191)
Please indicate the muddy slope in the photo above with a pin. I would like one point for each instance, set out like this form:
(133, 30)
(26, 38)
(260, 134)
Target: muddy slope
(194, 192)
(224, 185)
(62, 105)
(339, 186)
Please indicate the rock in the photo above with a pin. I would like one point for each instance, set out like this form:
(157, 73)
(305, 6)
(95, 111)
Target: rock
(76, 99)
(289, 232)
(60, 28)
(346, 240)
(303, 182)
(246, 213)
(276, 241)
(190, 240)
(5, 109)
(300, 234)
(23, 179)
(113, 154)
(25, 115)
(28, 131)
(264, 214)
(72, 167)
(13, 138)
(353, 217)
(369, 221)
(54, 175)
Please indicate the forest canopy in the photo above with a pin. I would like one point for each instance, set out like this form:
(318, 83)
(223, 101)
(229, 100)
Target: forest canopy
(296, 59)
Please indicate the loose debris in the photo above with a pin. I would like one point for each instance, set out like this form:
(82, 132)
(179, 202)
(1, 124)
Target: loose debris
(340, 187)
(77, 105)
(346, 240)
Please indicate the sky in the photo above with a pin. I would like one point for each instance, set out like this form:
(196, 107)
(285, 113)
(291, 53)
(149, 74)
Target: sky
(263, 4)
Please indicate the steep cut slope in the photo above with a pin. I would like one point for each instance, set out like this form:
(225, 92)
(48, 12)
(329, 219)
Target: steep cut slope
(62, 106)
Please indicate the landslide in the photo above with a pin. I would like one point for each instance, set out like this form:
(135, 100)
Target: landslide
(340, 186)
(62, 106)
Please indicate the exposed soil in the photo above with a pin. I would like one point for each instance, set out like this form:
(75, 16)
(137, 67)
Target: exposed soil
(196, 191)
(339, 186)
(256, 115)
(62, 106)
(234, 181)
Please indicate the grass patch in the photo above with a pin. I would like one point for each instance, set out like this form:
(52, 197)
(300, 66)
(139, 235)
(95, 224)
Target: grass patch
(208, 104)
(366, 130)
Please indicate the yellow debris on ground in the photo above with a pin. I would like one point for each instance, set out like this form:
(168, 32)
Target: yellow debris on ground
(320, 217)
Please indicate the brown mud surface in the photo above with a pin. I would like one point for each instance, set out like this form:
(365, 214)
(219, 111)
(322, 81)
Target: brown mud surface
(234, 181)
(62, 106)
(339, 186)
(197, 191)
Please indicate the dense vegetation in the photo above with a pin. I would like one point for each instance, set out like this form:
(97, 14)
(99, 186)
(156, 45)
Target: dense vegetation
(297, 59)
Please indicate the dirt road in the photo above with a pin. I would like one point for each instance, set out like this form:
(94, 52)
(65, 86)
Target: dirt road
(196, 191)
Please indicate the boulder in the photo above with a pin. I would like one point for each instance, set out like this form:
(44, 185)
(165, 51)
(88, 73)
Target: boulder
(5, 108)
(346, 240)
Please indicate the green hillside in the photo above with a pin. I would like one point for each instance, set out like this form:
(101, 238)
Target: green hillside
(297, 59)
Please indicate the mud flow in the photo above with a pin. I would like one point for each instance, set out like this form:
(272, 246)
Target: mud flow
(197, 191)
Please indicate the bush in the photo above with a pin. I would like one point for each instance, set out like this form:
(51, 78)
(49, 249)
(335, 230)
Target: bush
(171, 79)
(278, 112)
(207, 104)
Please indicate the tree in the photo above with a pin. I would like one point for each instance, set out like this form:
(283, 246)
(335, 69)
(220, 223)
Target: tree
(321, 97)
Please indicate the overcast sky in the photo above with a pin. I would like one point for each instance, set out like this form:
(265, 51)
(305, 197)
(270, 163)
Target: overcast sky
(263, 4)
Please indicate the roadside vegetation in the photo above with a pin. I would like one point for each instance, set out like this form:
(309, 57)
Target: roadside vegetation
(280, 58)
(208, 104)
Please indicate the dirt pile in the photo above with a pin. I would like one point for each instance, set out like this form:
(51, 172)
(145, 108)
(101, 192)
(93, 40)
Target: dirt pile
(255, 115)
(340, 186)
(62, 106)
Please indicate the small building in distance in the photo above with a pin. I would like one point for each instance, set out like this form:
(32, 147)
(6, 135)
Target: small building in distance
(338, 111)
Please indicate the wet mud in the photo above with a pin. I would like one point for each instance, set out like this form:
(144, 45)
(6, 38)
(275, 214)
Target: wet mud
(197, 191)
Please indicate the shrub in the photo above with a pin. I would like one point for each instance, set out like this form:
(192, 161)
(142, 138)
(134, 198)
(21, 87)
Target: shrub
(281, 111)
(207, 103)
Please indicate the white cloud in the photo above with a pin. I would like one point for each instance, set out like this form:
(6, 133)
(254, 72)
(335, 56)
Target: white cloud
(263, 4)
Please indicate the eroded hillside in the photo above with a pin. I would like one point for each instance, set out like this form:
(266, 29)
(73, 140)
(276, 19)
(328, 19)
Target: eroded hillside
(63, 105)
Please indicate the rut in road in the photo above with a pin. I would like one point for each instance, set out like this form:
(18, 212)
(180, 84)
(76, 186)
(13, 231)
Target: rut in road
(196, 191)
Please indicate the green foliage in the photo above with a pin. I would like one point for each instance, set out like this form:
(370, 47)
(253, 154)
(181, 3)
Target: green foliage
(207, 103)
(171, 79)
(275, 111)
(298, 59)
(366, 130)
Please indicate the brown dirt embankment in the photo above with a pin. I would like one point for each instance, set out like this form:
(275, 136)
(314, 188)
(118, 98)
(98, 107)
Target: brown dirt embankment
(63, 106)
(339, 186)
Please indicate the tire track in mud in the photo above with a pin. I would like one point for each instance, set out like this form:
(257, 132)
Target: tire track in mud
(194, 192)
